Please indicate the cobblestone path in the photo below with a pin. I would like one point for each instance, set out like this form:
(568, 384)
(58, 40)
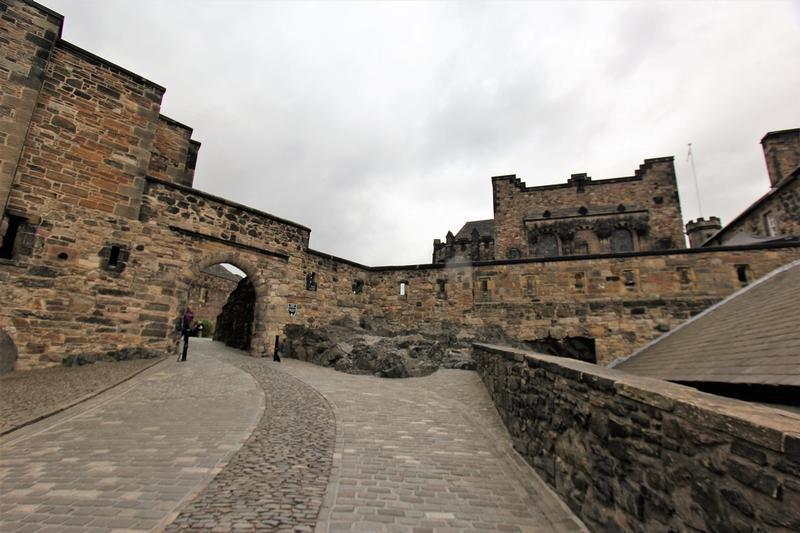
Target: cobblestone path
(128, 458)
(277, 481)
(426, 455)
(29, 395)
(290, 446)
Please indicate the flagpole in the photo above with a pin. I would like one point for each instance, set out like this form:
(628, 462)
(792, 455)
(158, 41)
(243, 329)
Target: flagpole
(690, 157)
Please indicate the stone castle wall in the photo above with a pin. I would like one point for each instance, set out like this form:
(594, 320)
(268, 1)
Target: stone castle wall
(647, 203)
(207, 296)
(174, 153)
(628, 453)
(28, 37)
(111, 239)
(621, 302)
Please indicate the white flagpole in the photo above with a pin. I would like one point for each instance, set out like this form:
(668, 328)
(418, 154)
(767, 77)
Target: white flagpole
(690, 157)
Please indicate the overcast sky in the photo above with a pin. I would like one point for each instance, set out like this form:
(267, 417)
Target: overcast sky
(379, 125)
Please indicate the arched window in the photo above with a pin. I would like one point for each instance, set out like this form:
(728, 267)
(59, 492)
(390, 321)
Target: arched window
(547, 246)
(621, 241)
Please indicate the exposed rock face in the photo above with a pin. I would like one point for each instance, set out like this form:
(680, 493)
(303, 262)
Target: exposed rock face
(374, 348)
(235, 322)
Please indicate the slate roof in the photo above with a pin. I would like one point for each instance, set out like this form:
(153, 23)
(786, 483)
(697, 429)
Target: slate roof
(484, 227)
(752, 337)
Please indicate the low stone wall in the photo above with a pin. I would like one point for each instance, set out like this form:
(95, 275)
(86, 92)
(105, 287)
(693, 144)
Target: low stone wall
(628, 453)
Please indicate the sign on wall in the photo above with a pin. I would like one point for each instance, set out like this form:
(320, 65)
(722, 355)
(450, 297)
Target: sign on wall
(292, 309)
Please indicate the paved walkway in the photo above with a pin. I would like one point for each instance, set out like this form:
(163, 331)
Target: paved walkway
(331, 452)
(127, 459)
(426, 455)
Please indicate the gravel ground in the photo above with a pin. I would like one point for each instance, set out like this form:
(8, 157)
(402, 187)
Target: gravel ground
(28, 395)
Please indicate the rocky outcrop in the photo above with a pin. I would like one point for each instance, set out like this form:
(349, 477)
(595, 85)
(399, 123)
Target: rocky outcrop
(375, 348)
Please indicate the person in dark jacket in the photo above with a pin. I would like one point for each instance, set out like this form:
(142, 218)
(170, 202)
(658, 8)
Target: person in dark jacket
(186, 329)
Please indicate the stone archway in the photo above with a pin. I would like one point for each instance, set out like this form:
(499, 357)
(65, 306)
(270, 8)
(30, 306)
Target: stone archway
(250, 267)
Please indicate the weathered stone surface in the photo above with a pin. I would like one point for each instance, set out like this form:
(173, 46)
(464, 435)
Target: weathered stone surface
(379, 351)
(8, 353)
(125, 354)
(702, 463)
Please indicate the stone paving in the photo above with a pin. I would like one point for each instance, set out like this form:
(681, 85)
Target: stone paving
(27, 395)
(127, 459)
(426, 455)
(331, 452)
(277, 481)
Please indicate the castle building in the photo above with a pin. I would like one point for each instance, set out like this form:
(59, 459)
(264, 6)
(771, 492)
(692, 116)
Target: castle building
(580, 217)
(105, 239)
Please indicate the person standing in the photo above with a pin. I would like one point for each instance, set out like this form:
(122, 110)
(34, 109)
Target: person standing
(186, 329)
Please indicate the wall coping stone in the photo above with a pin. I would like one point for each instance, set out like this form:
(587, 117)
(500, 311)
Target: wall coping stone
(224, 201)
(772, 428)
(175, 123)
(97, 60)
(50, 12)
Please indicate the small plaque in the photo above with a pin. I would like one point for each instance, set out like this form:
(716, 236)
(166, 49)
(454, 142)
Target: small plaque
(292, 309)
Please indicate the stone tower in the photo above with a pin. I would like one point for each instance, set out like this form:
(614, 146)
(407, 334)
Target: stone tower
(700, 230)
(782, 153)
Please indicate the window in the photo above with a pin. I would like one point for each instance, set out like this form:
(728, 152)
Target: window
(483, 288)
(630, 278)
(769, 224)
(580, 281)
(621, 241)
(7, 249)
(684, 276)
(441, 289)
(358, 286)
(581, 248)
(311, 281)
(547, 245)
(530, 286)
(113, 256)
(403, 288)
(743, 274)
(664, 243)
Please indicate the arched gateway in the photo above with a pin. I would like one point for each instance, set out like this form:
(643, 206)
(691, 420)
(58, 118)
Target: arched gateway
(254, 271)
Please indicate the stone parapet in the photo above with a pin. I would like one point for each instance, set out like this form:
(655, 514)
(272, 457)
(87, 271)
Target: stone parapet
(629, 453)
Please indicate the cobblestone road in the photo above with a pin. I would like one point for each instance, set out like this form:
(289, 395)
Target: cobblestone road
(426, 455)
(331, 452)
(127, 459)
(28, 395)
(277, 481)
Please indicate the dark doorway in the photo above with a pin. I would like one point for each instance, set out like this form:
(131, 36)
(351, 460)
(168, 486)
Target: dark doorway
(235, 322)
